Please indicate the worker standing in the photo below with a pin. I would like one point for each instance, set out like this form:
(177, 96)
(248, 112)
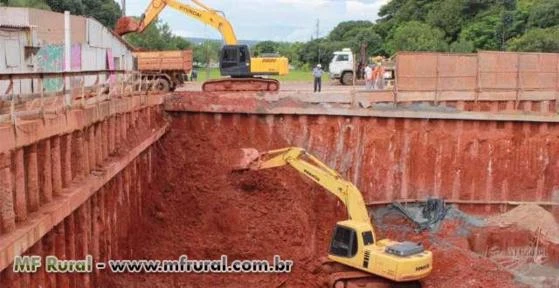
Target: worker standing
(317, 74)
(378, 75)
(368, 77)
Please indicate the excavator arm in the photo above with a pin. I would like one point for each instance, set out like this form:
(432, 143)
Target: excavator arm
(202, 13)
(314, 169)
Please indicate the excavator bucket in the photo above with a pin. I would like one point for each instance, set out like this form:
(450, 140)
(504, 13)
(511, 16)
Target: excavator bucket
(126, 25)
(245, 159)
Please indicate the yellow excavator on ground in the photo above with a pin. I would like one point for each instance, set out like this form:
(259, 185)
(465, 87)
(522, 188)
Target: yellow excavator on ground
(235, 60)
(354, 242)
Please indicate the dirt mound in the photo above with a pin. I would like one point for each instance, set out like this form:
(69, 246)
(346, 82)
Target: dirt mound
(530, 217)
(454, 264)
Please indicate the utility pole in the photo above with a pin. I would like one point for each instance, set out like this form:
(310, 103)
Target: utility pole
(123, 6)
(317, 36)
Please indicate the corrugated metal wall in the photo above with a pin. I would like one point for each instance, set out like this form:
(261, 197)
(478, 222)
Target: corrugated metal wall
(450, 77)
(92, 44)
(12, 16)
(12, 57)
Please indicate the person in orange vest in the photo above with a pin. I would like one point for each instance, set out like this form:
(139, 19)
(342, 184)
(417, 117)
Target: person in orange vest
(378, 75)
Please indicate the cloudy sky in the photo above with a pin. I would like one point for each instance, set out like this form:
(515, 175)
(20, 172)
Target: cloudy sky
(278, 20)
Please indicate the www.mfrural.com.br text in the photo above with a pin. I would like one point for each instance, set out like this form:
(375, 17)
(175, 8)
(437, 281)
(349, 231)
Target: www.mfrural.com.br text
(51, 264)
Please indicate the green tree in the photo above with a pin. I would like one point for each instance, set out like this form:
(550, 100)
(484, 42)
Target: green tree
(449, 17)
(158, 36)
(537, 40)
(417, 36)
(483, 32)
(208, 51)
(462, 46)
(291, 51)
(310, 51)
(38, 4)
(265, 47)
(544, 13)
(74, 6)
(347, 30)
(369, 37)
(105, 11)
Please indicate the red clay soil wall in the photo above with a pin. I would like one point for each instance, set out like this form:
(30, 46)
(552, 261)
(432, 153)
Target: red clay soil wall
(48, 179)
(198, 207)
(409, 158)
(99, 227)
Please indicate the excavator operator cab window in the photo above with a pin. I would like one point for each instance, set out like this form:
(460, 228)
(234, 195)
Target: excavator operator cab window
(344, 242)
(229, 57)
(243, 52)
(368, 238)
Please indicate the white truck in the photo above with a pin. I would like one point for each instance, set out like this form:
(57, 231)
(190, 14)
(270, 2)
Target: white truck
(341, 66)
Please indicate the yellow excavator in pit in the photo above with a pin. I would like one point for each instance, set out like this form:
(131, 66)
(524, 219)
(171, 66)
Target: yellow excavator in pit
(354, 242)
(235, 60)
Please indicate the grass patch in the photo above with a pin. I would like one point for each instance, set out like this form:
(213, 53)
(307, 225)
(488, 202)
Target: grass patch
(203, 74)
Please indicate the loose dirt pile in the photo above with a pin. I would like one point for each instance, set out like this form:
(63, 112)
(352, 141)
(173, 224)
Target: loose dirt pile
(454, 264)
(530, 217)
(197, 206)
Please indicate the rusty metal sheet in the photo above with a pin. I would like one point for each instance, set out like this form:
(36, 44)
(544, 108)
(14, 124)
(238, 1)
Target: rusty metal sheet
(538, 62)
(457, 65)
(503, 80)
(457, 72)
(486, 71)
(538, 71)
(416, 71)
(417, 83)
(498, 70)
(436, 72)
(417, 65)
(499, 62)
(538, 81)
(457, 83)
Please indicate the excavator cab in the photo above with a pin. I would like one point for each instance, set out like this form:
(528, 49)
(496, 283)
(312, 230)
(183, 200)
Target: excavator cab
(235, 61)
(344, 242)
(349, 240)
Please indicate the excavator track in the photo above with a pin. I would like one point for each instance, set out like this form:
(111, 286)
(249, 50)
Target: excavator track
(341, 276)
(241, 85)
(355, 279)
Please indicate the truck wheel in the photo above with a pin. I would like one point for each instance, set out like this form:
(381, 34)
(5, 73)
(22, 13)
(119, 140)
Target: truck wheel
(162, 85)
(347, 78)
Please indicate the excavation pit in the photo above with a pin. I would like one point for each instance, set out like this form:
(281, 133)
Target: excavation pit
(197, 206)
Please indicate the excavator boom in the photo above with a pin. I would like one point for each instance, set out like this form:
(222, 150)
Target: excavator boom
(311, 167)
(201, 13)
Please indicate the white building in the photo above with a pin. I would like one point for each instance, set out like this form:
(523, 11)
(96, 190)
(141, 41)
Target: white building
(32, 40)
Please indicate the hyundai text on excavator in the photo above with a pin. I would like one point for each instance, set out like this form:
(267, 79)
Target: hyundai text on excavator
(235, 60)
(354, 242)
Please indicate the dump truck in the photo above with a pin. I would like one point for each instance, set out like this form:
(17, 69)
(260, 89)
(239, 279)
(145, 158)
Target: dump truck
(169, 69)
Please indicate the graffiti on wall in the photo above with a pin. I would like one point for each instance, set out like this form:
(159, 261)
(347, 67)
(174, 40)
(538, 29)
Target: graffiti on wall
(50, 58)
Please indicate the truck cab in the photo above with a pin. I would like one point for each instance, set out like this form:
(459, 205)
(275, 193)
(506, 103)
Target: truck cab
(341, 66)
